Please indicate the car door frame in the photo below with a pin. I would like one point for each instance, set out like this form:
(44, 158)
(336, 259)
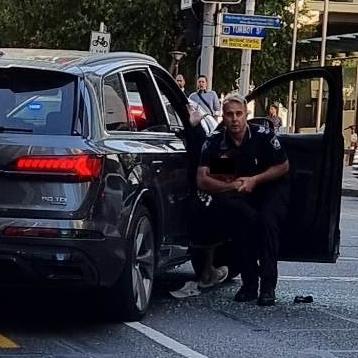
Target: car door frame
(156, 167)
(178, 152)
(332, 161)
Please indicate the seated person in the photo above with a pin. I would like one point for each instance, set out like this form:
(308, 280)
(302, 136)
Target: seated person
(249, 203)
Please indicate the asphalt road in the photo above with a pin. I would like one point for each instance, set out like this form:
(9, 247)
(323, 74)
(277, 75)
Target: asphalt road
(65, 324)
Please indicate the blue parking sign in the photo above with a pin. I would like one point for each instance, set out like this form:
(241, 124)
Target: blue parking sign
(243, 30)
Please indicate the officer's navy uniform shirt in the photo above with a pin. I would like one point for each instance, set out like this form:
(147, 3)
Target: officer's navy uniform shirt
(259, 150)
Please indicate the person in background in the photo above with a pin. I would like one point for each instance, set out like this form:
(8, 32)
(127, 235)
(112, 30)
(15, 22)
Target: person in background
(353, 144)
(207, 99)
(274, 117)
(181, 83)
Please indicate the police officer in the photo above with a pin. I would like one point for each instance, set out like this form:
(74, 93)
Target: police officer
(250, 198)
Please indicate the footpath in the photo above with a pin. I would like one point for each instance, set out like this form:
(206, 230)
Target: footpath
(349, 182)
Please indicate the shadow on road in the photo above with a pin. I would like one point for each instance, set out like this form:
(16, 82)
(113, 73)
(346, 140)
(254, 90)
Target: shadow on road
(43, 308)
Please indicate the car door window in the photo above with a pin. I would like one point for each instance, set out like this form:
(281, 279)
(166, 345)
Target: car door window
(168, 102)
(144, 106)
(115, 113)
(174, 119)
(303, 115)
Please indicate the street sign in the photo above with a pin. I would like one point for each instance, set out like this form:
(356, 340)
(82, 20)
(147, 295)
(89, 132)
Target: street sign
(243, 30)
(245, 43)
(186, 4)
(100, 42)
(271, 22)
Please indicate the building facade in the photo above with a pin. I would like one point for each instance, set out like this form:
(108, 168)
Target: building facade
(342, 49)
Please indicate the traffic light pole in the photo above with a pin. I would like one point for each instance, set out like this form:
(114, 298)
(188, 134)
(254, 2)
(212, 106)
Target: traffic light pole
(291, 118)
(322, 63)
(207, 46)
(246, 57)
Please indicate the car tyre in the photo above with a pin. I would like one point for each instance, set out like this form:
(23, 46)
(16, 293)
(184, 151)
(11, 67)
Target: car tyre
(130, 297)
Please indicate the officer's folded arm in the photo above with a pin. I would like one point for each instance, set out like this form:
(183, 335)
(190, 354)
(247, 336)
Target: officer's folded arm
(272, 173)
(212, 184)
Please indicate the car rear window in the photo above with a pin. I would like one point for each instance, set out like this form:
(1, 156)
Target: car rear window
(37, 101)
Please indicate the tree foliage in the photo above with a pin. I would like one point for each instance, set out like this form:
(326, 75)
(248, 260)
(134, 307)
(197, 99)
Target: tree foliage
(135, 25)
(153, 27)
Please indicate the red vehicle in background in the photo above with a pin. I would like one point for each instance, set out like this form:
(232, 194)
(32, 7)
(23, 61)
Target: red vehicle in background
(136, 110)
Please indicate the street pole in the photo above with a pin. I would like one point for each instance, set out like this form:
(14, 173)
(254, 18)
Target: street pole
(323, 58)
(291, 122)
(246, 57)
(207, 45)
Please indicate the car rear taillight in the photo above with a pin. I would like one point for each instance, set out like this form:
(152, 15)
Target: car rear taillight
(84, 167)
(50, 233)
(30, 232)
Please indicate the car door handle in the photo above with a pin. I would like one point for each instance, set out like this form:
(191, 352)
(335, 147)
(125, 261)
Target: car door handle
(157, 165)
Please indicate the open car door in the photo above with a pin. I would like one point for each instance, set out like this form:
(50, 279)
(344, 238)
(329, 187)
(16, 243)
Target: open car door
(313, 139)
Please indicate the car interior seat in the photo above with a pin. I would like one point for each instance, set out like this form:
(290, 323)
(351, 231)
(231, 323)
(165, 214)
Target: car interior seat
(7, 102)
(115, 114)
(54, 122)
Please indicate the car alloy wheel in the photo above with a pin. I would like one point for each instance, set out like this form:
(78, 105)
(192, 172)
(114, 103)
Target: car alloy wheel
(128, 299)
(143, 263)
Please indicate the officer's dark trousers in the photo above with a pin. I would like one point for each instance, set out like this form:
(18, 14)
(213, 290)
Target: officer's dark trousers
(253, 222)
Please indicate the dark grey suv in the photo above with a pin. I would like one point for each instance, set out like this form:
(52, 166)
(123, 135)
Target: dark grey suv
(96, 171)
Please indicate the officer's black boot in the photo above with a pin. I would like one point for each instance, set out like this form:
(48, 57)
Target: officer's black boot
(246, 294)
(248, 289)
(267, 297)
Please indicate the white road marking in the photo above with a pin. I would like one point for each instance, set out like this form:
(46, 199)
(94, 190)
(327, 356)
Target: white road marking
(354, 215)
(318, 353)
(337, 315)
(346, 258)
(164, 340)
(318, 278)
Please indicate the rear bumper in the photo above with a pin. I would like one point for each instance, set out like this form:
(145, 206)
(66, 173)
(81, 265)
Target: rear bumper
(61, 261)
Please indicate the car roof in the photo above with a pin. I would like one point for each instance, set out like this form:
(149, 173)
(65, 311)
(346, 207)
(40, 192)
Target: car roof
(65, 60)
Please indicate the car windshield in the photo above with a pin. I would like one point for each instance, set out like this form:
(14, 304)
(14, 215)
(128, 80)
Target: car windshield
(38, 102)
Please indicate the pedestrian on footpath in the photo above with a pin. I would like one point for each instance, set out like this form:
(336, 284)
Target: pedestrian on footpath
(274, 117)
(244, 169)
(180, 80)
(207, 99)
(352, 145)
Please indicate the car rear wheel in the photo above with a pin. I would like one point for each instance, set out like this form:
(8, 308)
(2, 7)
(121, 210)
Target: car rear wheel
(130, 296)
